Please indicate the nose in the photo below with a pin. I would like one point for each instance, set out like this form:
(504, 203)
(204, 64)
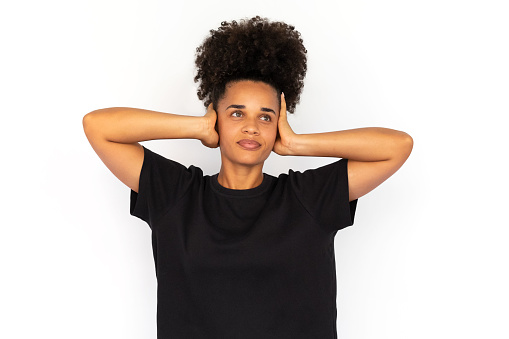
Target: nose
(251, 127)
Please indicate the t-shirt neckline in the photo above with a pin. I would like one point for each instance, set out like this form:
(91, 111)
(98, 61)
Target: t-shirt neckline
(250, 192)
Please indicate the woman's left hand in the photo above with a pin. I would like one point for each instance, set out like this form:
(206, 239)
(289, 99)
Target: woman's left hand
(285, 134)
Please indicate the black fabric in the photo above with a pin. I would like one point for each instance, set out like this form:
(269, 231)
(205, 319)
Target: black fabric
(247, 264)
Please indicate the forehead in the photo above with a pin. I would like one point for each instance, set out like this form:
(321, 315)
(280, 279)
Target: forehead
(249, 93)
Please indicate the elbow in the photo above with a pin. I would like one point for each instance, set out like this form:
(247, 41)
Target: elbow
(88, 122)
(92, 121)
(401, 146)
(86, 119)
(406, 145)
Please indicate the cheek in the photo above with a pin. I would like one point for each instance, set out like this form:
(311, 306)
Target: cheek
(224, 130)
(271, 134)
(220, 125)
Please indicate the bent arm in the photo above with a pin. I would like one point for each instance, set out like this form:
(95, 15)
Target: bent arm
(129, 125)
(114, 134)
(374, 153)
(361, 144)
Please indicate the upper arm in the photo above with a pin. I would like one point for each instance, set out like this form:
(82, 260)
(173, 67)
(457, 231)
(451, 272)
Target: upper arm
(123, 160)
(364, 176)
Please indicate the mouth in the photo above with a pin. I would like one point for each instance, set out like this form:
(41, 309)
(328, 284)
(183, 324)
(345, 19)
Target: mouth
(248, 144)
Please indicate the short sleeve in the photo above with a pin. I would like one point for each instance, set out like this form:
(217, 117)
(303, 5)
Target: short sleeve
(323, 192)
(162, 182)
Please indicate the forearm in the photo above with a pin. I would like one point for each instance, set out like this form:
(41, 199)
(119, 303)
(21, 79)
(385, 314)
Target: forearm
(129, 125)
(362, 144)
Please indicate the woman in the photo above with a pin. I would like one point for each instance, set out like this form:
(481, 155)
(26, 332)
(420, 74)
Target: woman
(243, 254)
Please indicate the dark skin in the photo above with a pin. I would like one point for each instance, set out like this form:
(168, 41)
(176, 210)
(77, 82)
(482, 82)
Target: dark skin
(374, 153)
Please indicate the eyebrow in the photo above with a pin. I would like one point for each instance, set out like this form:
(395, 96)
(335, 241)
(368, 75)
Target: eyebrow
(263, 109)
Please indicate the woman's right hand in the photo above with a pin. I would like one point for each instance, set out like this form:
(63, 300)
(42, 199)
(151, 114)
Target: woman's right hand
(210, 136)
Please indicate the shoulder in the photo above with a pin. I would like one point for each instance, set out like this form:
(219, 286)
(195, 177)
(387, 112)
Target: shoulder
(314, 181)
(321, 173)
(165, 164)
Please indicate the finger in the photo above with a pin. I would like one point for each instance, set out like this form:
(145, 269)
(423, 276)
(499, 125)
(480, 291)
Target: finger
(283, 105)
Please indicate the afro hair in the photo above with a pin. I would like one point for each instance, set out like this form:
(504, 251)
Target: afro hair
(252, 49)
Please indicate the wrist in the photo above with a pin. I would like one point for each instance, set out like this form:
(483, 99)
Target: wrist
(207, 133)
(202, 126)
(287, 146)
(298, 145)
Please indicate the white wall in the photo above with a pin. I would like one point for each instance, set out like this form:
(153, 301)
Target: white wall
(428, 255)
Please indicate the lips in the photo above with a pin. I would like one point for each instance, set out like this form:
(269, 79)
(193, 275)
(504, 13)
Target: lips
(249, 144)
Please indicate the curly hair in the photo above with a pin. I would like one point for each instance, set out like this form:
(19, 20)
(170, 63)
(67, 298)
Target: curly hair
(252, 49)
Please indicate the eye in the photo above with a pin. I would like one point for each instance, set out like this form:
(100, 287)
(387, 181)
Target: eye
(236, 114)
(266, 117)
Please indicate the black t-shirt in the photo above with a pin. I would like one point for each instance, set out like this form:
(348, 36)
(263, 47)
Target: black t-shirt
(244, 264)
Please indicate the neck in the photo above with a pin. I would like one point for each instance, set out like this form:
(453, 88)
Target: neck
(240, 178)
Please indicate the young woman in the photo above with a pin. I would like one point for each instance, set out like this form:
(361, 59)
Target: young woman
(243, 254)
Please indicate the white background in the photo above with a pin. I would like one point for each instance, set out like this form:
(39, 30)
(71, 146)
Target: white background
(427, 256)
